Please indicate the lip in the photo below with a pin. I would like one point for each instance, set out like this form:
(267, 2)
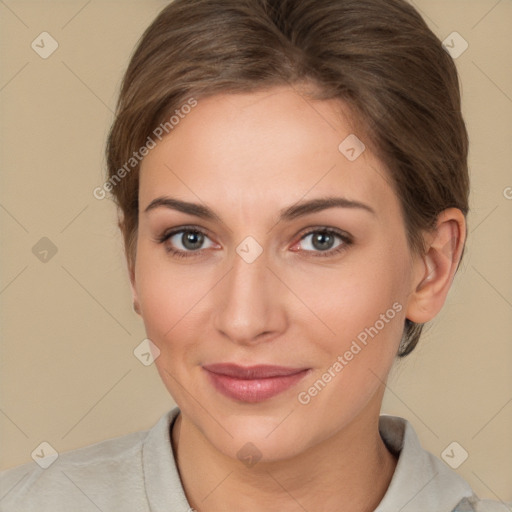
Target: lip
(253, 383)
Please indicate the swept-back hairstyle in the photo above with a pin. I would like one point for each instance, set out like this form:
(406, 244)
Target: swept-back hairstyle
(377, 56)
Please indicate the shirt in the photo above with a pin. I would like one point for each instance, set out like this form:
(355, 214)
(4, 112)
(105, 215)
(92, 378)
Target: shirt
(137, 473)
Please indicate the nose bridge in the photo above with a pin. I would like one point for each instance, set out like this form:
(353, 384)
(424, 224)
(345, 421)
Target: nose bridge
(247, 305)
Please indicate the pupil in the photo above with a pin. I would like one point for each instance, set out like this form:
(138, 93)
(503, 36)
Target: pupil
(192, 240)
(322, 241)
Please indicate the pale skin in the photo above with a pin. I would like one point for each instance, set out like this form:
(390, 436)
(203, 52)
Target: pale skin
(247, 157)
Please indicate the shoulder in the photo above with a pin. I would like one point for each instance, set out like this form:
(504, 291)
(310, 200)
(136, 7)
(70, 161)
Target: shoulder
(88, 477)
(422, 481)
(474, 504)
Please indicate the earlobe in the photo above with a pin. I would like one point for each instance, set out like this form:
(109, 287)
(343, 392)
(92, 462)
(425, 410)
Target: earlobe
(437, 266)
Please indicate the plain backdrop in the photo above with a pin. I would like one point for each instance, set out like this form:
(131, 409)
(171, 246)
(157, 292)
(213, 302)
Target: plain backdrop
(68, 373)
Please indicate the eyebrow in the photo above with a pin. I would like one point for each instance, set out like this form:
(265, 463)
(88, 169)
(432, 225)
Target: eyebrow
(286, 214)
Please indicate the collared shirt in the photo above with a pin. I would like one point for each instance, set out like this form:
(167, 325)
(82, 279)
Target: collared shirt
(137, 473)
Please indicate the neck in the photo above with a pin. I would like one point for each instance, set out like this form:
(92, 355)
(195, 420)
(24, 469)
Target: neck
(349, 471)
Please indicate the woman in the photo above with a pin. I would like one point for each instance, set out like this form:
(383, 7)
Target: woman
(292, 186)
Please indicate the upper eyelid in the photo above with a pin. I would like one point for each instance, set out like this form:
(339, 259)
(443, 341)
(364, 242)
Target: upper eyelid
(174, 231)
(308, 230)
(337, 231)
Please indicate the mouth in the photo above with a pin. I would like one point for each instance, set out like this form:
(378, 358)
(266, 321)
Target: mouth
(253, 384)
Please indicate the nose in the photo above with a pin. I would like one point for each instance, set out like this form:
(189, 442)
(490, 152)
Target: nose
(250, 303)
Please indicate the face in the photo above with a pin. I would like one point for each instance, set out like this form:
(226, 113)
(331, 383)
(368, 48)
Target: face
(277, 314)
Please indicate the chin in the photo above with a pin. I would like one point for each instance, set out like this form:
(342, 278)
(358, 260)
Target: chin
(269, 437)
(255, 447)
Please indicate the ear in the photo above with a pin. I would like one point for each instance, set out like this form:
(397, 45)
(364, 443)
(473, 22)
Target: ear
(435, 269)
(131, 266)
(131, 273)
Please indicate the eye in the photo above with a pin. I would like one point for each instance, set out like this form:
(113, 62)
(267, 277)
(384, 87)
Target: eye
(324, 242)
(184, 242)
(190, 241)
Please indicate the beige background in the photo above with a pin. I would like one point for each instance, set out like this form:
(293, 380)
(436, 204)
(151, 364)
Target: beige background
(68, 373)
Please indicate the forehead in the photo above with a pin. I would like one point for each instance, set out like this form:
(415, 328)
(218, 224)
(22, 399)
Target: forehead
(270, 147)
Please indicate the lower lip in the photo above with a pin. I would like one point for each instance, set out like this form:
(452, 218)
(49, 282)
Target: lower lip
(254, 390)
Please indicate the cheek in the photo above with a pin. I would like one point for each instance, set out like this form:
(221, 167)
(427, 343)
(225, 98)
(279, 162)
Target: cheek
(363, 314)
(352, 297)
(170, 302)
(167, 294)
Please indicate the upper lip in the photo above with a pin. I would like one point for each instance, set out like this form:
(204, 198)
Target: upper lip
(260, 371)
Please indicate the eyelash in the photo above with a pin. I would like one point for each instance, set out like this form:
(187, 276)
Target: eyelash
(345, 238)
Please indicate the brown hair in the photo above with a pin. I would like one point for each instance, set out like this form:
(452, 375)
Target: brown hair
(378, 56)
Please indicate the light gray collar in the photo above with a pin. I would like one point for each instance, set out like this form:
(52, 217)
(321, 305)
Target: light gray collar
(421, 482)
